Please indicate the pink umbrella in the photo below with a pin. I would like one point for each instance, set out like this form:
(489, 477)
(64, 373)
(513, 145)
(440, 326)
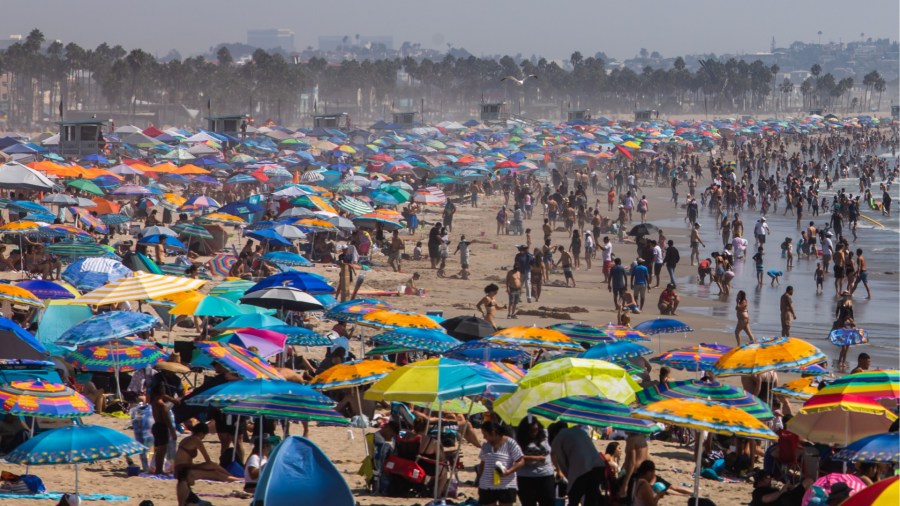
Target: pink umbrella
(829, 480)
(266, 342)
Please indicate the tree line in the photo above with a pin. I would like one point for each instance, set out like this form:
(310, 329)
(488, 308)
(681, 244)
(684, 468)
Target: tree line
(269, 85)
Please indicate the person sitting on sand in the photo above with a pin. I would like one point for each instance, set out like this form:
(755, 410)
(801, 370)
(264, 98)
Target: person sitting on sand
(186, 472)
(668, 300)
(488, 304)
(256, 461)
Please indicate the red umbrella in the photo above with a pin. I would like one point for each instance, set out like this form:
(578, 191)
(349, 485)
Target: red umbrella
(625, 152)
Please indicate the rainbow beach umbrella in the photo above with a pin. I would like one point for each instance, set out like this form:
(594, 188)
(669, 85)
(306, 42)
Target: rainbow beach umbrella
(706, 390)
(239, 360)
(885, 492)
(839, 419)
(872, 384)
(582, 333)
(43, 399)
(594, 411)
(119, 356)
(286, 407)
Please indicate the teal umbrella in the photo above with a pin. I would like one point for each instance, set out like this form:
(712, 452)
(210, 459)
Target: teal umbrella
(255, 320)
(74, 249)
(595, 411)
(286, 407)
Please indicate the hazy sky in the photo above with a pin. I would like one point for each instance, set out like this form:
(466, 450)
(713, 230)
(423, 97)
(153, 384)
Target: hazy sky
(549, 28)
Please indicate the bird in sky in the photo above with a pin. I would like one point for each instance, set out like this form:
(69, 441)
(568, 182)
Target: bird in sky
(518, 81)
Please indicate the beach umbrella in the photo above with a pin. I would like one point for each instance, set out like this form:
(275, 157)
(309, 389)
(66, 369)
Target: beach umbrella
(593, 411)
(391, 319)
(114, 219)
(706, 390)
(615, 351)
(848, 337)
(284, 298)
(353, 310)
(131, 190)
(872, 384)
(663, 326)
(801, 388)
(886, 491)
(289, 232)
(47, 289)
(222, 263)
(268, 236)
(464, 405)
(286, 258)
(702, 357)
(300, 336)
(158, 230)
(60, 199)
(200, 202)
(286, 407)
(74, 444)
(564, 377)
(141, 286)
(768, 355)
(437, 379)
(234, 391)
(15, 176)
(535, 337)
(89, 220)
(223, 218)
(86, 185)
(427, 340)
(171, 201)
(509, 371)
(839, 419)
(118, 356)
(75, 249)
(341, 223)
(106, 327)
(18, 295)
(486, 351)
(315, 225)
(705, 416)
(18, 343)
(622, 333)
(91, 273)
(298, 212)
(266, 342)
(881, 448)
(826, 483)
(238, 360)
(353, 206)
(192, 230)
(371, 220)
(581, 333)
(352, 374)
(468, 328)
(206, 305)
(252, 320)
(231, 290)
(43, 399)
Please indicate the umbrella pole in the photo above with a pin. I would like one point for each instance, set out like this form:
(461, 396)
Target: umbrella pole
(462, 437)
(701, 436)
(359, 403)
(261, 429)
(76, 479)
(237, 425)
(437, 458)
(116, 370)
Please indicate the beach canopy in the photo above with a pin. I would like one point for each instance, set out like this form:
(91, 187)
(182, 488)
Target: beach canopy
(141, 286)
(437, 379)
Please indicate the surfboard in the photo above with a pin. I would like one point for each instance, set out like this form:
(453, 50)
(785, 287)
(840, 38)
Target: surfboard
(848, 337)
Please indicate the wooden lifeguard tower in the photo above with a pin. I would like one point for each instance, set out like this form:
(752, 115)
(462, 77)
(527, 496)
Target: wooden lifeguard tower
(335, 120)
(579, 115)
(229, 124)
(645, 115)
(405, 119)
(79, 138)
(494, 112)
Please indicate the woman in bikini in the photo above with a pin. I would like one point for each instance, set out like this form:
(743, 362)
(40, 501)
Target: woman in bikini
(488, 304)
(186, 472)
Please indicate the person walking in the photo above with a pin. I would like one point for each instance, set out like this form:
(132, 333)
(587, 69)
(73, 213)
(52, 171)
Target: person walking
(787, 311)
(537, 478)
(743, 318)
(573, 453)
(671, 259)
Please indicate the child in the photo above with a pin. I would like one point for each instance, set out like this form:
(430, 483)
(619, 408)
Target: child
(565, 259)
(790, 253)
(758, 260)
(775, 275)
(820, 278)
(417, 251)
(443, 253)
(462, 247)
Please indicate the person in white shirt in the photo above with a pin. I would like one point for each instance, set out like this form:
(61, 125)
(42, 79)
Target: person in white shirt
(658, 260)
(739, 245)
(255, 462)
(606, 254)
(827, 250)
(761, 230)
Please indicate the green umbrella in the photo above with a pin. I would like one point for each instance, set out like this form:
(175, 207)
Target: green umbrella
(442, 179)
(85, 185)
(399, 193)
(595, 411)
(69, 249)
(192, 230)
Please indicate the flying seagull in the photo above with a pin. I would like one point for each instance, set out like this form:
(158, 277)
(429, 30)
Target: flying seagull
(518, 81)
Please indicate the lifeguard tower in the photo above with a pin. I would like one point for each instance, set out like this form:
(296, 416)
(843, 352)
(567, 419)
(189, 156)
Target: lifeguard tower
(579, 115)
(895, 112)
(645, 115)
(818, 112)
(406, 119)
(229, 124)
(336, 120)
(494, 112)
(80, 138)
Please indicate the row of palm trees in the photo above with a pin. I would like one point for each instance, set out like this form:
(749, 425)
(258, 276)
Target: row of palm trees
(269, 86)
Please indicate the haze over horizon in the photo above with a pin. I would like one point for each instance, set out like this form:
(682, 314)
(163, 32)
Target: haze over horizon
(482, 28)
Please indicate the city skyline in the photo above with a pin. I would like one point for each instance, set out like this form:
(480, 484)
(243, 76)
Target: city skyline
(696, 26)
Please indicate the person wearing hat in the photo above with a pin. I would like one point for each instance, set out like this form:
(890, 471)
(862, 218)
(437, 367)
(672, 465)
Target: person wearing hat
(761, 230)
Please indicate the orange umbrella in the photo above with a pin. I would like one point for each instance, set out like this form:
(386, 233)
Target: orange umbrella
(94, 172)
(164, 168)
(394, 319)
(190, 169)
(105, 206)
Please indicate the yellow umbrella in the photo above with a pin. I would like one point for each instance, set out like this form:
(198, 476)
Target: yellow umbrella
(395, 319)
(19, 227)
(768, 355)
(141, 286)
(347, 149)
(18, 295)
(801, 388)
(228, 219)
(631, 144)
(536, 337)
(352, 374)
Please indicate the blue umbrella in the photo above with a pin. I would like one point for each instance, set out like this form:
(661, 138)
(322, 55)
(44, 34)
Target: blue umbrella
(286, 258)
(618, 350)
(427, 340)
(89, 274)
(486, 351)
(171, 242)
(326, 299)
(106, 327)
(241, 208)
(74, 444)
(880, 448)
(300, 336)
(45, 289)
(244, 389)
(18, 343)
(269, 236)
(662, 326)
(252, 320)
(114, 219)
(308, 282)
(95, 158)
(28, 207)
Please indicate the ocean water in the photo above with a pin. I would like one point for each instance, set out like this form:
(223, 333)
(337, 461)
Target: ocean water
(880, 315)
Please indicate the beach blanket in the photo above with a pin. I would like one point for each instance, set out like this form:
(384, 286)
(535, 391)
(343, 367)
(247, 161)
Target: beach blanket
(55, 496)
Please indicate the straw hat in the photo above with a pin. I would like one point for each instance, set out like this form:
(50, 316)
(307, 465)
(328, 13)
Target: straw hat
(173, 364)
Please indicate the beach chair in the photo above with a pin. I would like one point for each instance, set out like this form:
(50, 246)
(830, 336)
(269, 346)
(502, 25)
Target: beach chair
(788, 457)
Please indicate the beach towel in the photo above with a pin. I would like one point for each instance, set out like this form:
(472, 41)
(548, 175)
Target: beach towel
(55, 496)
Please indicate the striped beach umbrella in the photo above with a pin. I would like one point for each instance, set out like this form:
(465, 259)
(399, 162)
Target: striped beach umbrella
(706, 416)
(121, 356)
(201, 202)
(581, 333)
(353, 206)
(801, 388)
(429, 341)
(625, 333)
(222, 263)
(702, 357)
(76, 249)
(239, 360)
(192, 230)
(353, 310)
(352, 374)
(89, 220)
(232, 290)
(872, 384)
(141, 286)
(315, 225)
(768, 355)
(594, 411)
(840, 419)
(18, 295)
(535, 337)
(43, 399)
(886, 491)
(286, 407)
(171, 201)
(509, 371)
(437, 379)
(706, 390)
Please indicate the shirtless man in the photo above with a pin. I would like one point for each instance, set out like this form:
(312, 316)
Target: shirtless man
(696, 242)
(514, 290)
(565, 259)
(863, 276)
(810, 240)
(787, 311)
(839, 259)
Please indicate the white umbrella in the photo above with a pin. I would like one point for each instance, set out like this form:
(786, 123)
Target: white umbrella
(290, 232)
(15, 176)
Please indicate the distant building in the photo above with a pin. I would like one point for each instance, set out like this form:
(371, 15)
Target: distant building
(333, 42)
(8, 41)
(271, 38)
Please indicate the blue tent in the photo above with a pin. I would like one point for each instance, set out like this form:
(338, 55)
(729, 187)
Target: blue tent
(16, 342)
(298, 468)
